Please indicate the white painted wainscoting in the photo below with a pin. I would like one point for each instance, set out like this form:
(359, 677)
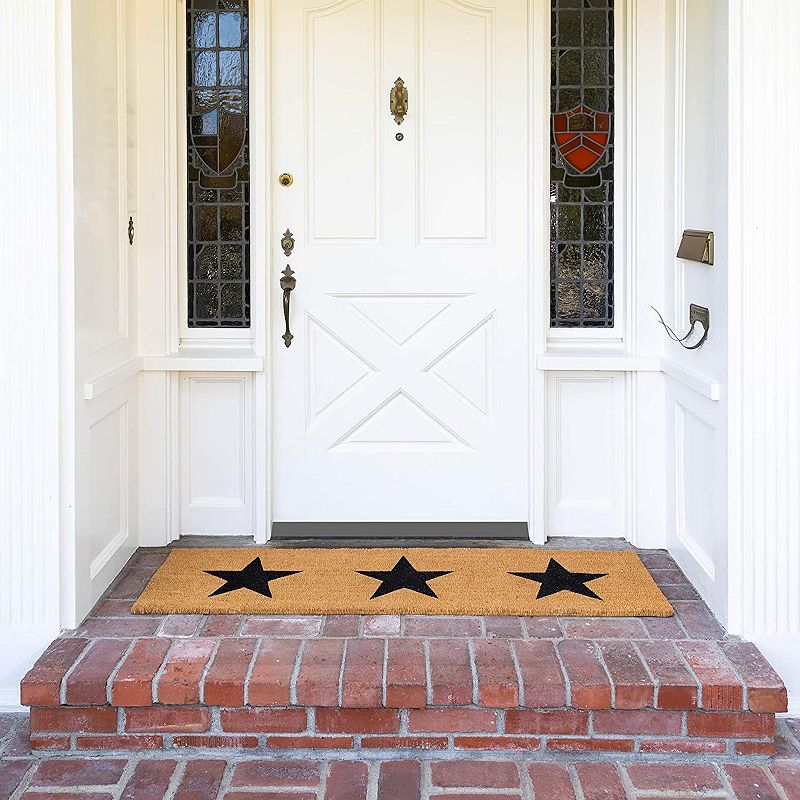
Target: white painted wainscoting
(216, 453)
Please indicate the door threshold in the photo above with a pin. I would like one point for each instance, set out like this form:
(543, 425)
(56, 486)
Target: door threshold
(401, 530)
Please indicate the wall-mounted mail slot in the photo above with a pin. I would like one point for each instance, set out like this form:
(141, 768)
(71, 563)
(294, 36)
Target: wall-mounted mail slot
(697, 246)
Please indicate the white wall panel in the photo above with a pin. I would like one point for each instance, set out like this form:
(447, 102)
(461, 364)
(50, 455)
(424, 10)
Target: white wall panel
(586, 454)
(216, 452)
(30, 495)
(697, 541)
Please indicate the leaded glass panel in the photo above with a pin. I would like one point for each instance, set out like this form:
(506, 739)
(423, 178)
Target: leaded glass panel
(218, 164)
(582, 164)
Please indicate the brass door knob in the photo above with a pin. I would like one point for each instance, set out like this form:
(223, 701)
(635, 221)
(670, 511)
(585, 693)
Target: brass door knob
(285, 179)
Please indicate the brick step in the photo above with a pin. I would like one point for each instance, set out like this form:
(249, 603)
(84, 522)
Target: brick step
(695, 697)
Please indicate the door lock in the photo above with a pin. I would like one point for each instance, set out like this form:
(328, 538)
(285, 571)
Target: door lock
(285, 179)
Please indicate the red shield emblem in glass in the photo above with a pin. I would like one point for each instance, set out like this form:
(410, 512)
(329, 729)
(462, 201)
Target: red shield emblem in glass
(581, 136)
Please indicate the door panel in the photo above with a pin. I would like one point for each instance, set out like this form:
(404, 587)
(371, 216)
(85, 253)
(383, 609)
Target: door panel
(106, 404)
(455, 124)
(403, 394)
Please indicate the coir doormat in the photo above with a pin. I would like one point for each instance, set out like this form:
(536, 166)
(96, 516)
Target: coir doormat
(464, 581)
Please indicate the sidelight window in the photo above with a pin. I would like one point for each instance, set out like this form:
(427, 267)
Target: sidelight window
(582, 164)
(218, 164)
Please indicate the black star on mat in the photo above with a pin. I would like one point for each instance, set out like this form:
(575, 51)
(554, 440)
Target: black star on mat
(557, 579)
(253, 577)
(402, 576)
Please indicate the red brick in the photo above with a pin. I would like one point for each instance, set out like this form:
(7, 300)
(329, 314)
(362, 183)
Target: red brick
(357, 720)
(401, 742)
(163, 719)
(263, 720)
(633, 687)
(405, 674)
(179, 683)
(603, 628)
(687, 746)
(566, 722)
(637, 723)
(218, 625)
(86, 684)
(37, 742)
(311, 742)
(224, 681)
(294, 772)
(279, 795)
(119, 627)
(450, 673)
(750, 782)
(181, 625)
(79, 772)
(787, 774)
(451, 720)
(593, 745)
(755, 748)
(666, 778)
(745, 725)
(130, 583)
(498, 686)
(362, 677)
(120, 742)
(599, 781)
(677, 688)
(495, 743)
(503, 627)
(475, 774)
(346, 780)
(472, 796)
(543, 683)
(74, 720)
(293, 627)
(664, 627)
(383, 625)
(133, 683)
(271, 677)
(11, 773)
(318, 681)
(765, 689)
(722, 690)
(399, 780)
(32, 794)
(543, 628)
(200, 779)
(210, 741)
(42, 684)
(150, 780)
(698, 621)
(551, 782)
(587, 677)
(341, 626)
(442, 627)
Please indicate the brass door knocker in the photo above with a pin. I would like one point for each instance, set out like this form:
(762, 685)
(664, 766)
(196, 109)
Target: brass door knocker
(398, 101)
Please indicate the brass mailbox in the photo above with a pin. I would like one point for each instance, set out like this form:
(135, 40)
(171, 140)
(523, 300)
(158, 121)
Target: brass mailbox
(697, 246)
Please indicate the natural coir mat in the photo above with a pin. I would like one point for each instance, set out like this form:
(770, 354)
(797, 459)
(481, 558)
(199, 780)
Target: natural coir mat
(467, 581)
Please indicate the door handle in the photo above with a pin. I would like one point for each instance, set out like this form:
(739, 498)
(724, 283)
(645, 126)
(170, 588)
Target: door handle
(287, 284)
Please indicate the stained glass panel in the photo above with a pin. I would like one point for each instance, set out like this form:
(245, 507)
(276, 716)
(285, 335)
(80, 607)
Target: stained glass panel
(582, 164)
(218, 164)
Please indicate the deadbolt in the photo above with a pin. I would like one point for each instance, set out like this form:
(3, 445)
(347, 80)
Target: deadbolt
(285, 179)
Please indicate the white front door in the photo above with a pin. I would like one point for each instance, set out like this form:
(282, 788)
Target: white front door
(403, 395)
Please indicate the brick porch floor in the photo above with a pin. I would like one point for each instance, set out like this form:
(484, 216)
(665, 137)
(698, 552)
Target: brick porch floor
(306, 777)
(388, 687)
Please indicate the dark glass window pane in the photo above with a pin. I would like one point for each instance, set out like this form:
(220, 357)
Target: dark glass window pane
(582, 164)
(218, 164)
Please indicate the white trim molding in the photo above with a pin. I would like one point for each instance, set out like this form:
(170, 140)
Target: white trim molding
(763, 363)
